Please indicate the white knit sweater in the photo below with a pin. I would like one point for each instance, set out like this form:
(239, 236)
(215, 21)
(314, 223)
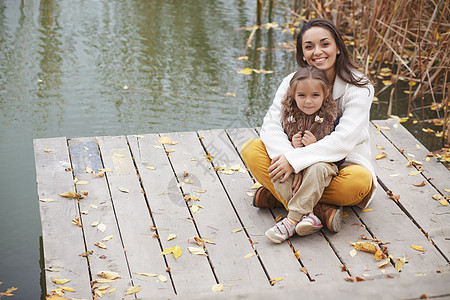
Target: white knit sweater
(350, 140)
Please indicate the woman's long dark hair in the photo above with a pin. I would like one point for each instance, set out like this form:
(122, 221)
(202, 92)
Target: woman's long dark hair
(344, 65)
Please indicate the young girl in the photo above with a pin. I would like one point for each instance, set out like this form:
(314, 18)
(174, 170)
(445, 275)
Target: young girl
(308, 114)
(274, 158)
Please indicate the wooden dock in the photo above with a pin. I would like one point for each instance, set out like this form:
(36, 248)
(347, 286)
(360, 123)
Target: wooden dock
(141, 193)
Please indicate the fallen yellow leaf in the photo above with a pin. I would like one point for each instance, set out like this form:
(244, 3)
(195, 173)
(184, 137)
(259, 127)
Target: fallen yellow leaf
(107, 238)
(414, 173)
(256, 186)
(77, 222)
(379, 255)
(418, 248)
(176, 250)
(380, 147)
(147, 274)
(67, 289)
(443, 202)
(166, 140)
(399, 263)
(123, 190)
(133, 290)
(246, 71)
(365, 246)
(47, 200)
(162, 278)
(101, 227)
(437, 197)
(82, 182)
(108, 275)
(217, 287)
(171, 237)
(380, 155)
(384, 263)
(56, 280)
(367, 209)
(195, 208)
(8, 292)
(250, 255)
(197, 251)
(100, 245)
(353, 252)
(71, 195)
(272, 281)
(104, 287)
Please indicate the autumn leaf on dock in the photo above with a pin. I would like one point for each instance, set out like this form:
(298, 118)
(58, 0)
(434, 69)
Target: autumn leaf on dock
(380, 155)
(72, 194)
(59, 281)
(176, 250)
(217, 287)
(365, 246)
(166, 140)
(108, 275)
(77, 222)
(133, 290)
(418, 248)
(197, 251)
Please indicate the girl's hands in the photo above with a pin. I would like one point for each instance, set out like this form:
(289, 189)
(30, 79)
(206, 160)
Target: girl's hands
(297, 182)
(280, 168)
(308, 138)
(297, 140)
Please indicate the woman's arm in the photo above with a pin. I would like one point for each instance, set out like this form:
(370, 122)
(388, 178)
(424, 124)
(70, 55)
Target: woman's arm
(272, 132)
(351, 130)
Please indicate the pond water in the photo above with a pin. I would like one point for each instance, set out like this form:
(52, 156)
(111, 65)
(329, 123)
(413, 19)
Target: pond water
(91, 68)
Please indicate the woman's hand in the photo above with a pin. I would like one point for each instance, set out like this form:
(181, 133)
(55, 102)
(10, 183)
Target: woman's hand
(308, 138)
(280, 168)
(297, 182)
(297, 140)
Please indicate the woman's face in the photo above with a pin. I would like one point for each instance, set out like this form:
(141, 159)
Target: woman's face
(320, 49)
(309, 95)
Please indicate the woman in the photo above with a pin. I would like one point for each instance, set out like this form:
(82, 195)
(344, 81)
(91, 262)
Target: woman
(273, 158)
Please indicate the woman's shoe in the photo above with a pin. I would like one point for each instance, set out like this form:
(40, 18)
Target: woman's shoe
(263, 198)
(329, 215)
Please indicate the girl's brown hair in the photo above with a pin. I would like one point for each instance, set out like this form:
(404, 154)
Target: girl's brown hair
(308, 72)
(294, 120)
(344, 65)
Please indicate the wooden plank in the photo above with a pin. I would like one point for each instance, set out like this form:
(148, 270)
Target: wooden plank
(432, 286)
(133, 217)
(216, 219)
(403, 139)
(190, 273)
(278, 260)
(63, 241)
(97, 208)
(432, 217)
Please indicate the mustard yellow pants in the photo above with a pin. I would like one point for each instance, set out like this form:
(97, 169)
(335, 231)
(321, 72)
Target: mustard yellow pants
(350, 187)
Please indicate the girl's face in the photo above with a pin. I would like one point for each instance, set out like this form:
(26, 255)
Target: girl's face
(309, 95)
(320, 49)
